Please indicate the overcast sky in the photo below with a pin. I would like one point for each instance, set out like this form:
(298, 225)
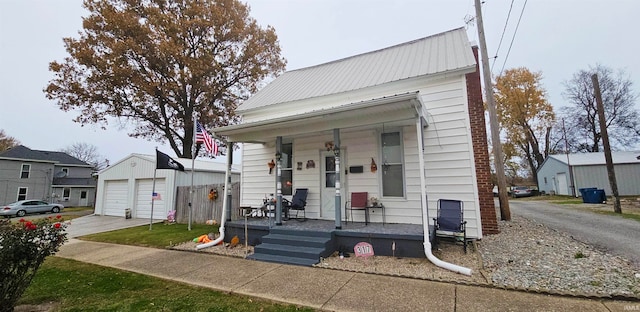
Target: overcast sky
(557, 38)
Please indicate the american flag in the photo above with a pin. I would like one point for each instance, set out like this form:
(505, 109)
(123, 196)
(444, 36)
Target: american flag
(156, 196)
(202, 136)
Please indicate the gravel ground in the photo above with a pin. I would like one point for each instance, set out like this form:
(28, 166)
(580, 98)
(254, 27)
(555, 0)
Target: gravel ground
(525, 255)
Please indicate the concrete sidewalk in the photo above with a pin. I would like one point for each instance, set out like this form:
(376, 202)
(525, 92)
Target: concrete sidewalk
(319, 288)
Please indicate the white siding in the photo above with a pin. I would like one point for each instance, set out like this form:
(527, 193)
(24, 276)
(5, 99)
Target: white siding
(449, 164)
(449, 160)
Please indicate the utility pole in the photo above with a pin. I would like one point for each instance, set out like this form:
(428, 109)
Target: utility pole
(572, 187)
(605, 142)
(505, 213)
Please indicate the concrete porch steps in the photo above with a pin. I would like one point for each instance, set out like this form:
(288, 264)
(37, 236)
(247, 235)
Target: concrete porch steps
(297, 247)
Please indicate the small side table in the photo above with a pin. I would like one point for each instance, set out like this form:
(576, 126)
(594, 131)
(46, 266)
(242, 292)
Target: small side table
(377, 206)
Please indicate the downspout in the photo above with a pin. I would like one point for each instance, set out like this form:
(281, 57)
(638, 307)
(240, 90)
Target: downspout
(423, 199)
(225, 200)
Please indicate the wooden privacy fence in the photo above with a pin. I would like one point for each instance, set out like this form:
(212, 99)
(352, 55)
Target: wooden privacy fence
(203, 208)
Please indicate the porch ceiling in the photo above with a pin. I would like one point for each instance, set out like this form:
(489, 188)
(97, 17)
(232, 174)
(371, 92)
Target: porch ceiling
(399, 109)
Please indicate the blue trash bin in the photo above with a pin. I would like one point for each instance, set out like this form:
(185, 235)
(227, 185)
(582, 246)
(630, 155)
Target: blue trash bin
(587, 194)
(594, 196)
(599, 196)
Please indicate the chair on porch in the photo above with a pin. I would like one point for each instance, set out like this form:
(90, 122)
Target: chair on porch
(297, 203)
(450, 222)
(358, 202)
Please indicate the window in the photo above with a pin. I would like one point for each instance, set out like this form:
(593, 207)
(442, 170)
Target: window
(22, 193)
(24, 173)
(287, 169)
(65, 193)
(66, 171)
(330, 171)
(392, 165)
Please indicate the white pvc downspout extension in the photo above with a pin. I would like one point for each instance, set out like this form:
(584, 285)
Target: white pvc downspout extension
(425, 211)
(227, 185)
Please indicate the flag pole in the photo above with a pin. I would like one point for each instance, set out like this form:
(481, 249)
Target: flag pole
(153, 191)
(193, 160)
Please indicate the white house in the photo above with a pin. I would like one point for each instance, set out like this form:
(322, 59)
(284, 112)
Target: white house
(129, 184)
(404, 123)
(562, 173)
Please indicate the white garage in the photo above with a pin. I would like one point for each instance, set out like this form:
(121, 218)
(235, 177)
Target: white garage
(129, 184)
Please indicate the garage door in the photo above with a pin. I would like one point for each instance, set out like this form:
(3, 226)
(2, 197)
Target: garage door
(115, 198)
(144, 190)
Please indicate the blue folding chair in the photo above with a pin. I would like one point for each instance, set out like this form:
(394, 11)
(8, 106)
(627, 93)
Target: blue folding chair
(450, 222)
(297, 203)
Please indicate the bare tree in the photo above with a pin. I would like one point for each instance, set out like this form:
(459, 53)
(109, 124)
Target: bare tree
(87, 153)
(7, 142)
(622, 119)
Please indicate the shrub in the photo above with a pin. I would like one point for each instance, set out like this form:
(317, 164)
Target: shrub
(23, 248)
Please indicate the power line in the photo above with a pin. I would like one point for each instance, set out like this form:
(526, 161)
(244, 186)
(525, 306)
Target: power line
(502, 36)
(513, 38)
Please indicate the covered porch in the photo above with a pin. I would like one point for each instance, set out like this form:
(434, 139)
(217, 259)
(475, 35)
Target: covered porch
(335, 152)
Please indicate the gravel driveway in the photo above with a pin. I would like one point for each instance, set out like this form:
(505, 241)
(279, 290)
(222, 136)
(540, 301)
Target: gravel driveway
(615, 235)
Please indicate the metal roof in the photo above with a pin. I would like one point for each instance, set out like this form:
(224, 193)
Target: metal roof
(24, 153)
(585, 159)
(198, 165)
(396, 108)
(444, 52)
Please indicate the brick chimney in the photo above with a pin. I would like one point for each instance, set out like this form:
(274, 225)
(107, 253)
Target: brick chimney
(481, 150)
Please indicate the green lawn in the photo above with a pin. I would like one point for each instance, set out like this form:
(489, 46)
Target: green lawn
(78, 286)
(160, 235)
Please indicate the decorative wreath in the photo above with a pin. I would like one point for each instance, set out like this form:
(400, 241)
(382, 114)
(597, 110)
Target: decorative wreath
(213, 194)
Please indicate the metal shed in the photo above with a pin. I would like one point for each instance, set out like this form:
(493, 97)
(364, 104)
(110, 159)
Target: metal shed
(128, 184)
(566, 174)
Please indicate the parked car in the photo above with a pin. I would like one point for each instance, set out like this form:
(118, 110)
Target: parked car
(521, 191)
(495, 191)
(23, 207)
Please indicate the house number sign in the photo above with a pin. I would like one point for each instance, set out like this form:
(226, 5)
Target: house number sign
(363, 249)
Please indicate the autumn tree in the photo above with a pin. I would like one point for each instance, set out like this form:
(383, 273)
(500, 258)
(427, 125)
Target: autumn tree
(525, 115)
(87, 153)
(154, 64)
(7, 142)
(581, 116)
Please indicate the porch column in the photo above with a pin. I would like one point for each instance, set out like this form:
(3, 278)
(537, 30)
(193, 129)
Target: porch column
(278, 181)
(336, 151)
(228, 181)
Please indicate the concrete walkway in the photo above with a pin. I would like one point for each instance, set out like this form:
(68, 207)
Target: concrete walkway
(323, 289)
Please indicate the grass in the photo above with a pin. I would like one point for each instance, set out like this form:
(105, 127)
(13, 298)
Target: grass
(160, 235)
(631, 216)
(78, 286)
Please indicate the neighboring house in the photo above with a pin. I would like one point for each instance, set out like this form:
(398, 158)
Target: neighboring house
(556, 173)
(51, 176)
(405, 124)
(128, 184)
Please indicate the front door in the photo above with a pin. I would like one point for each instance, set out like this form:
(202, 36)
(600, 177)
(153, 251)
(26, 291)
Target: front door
(328, 186)
(83, 199)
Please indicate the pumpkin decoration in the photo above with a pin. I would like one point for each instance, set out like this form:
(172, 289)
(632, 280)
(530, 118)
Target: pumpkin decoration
(374, 167)
(234, 241)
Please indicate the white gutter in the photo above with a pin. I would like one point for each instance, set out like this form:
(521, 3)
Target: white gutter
(227, 192)
(425, 210)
